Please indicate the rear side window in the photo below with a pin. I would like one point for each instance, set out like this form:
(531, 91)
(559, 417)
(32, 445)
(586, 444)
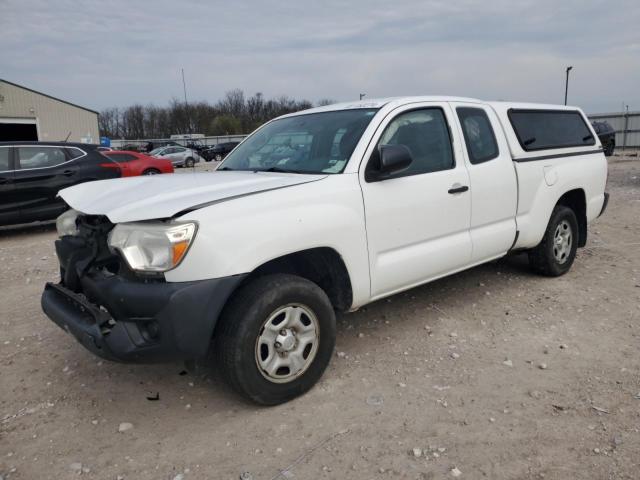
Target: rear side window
(547, 129)
(74, 152)
(4, 158)
(478, 134)
(40, 157)
(121, 157)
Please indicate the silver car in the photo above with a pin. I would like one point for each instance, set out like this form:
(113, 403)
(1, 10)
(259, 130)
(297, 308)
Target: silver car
(179, 156)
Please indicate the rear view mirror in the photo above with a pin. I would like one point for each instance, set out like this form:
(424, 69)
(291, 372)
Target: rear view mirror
(392, 159)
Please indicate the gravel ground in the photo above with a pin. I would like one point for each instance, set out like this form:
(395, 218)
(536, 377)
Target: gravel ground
(492, 373)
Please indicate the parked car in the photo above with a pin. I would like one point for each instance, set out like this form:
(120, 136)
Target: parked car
(179, 156)
(150, 146)
(133, 147)
(607, 136)
(32, 173)
(219, 151)
(134, 163)
(250, 262)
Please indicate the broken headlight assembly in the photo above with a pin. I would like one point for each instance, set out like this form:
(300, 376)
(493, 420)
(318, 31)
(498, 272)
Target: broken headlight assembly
(152, 247)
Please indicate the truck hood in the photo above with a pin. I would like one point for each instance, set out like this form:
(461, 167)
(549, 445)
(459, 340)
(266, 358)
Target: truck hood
(163, 196)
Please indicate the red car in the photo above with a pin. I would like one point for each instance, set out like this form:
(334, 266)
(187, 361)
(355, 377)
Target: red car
(134, 163)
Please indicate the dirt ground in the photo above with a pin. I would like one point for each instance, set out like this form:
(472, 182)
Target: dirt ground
(494, 372)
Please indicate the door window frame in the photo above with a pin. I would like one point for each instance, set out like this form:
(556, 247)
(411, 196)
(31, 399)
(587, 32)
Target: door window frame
(12, 163)
(16, 160)
(467, 143)
(448, 115)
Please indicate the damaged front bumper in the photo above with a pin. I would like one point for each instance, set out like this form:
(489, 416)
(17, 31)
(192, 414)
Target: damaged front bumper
(120, 317)
(134, 322)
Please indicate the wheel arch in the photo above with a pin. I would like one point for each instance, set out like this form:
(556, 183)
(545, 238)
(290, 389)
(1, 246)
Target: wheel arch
(323, 266)
(576, 200)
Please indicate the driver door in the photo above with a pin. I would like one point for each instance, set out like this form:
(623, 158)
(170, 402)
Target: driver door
(418, 219)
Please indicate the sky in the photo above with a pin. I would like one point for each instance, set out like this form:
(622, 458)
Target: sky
(115, 53)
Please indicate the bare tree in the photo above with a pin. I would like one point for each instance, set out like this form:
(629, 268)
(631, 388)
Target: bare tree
(233, 114)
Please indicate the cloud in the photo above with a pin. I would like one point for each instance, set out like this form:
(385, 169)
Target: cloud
(119, 52)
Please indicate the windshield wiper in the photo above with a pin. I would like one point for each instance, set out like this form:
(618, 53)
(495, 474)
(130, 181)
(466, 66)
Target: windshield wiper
(278, 169)
(223, 168)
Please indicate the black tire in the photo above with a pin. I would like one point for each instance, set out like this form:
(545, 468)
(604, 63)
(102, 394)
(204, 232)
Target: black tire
(543, 259)
(219, 157)
(242, 322)
(189, 162)
(151, 171)
(608, 150)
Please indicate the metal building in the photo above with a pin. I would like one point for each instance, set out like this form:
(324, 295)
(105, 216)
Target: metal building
(626, 125)
(29, 115)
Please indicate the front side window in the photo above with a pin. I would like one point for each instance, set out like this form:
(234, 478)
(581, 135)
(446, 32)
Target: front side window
(426, 134)
(4, 158)
(309, 143)
(40, 157)
(547, 129)
(478, 134)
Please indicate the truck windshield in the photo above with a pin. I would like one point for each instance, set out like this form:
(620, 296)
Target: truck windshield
(312, 143)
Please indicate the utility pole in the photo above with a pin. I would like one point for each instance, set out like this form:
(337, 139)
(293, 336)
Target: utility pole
(362, 95)
(626, 127)
(566, 85)
(186, 104)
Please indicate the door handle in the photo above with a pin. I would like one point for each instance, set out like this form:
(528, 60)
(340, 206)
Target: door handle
(458, 189)
(4, 181)
(68, 173)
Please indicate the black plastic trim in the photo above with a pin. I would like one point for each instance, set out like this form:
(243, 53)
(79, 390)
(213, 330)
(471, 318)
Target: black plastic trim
(557, 155)
(605, 203)
(130, 321)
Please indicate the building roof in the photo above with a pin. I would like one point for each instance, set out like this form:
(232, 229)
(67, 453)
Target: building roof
(48, 96)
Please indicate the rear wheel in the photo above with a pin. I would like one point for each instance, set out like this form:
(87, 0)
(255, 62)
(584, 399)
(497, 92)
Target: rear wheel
(608, 150)
(189, 162)
(557, 250)
(218, 157)
(151, 171)
(275, 338)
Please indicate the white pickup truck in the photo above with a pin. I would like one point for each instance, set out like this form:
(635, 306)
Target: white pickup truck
(320, 211)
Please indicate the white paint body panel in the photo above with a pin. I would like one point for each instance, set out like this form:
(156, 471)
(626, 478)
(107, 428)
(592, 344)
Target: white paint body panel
(541, 183)
(392, 235)
(132, 199)
(416, 229)
(494, 195)
(240, 235)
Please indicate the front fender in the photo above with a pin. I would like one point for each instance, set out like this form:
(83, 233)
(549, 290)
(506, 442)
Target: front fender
(237, 236)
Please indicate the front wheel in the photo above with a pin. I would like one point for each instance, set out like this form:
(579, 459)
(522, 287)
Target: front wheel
(218, 157)
(151, 171)
(189, 162)
(557, 250)
(275, 338)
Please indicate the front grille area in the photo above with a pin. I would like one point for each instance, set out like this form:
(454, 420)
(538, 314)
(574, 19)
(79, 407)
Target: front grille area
(87, 251)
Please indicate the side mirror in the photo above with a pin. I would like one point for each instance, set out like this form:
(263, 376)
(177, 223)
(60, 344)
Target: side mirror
(392, 159)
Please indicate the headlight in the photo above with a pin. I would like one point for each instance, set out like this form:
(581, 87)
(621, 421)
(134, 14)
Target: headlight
(66, 223)
(152, 247)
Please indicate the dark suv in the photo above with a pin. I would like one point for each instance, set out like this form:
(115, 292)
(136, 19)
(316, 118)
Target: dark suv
(607, 136)
(32, 173)
(219, 151)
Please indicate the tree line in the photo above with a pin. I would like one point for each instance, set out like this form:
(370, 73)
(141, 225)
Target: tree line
(233, 114)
